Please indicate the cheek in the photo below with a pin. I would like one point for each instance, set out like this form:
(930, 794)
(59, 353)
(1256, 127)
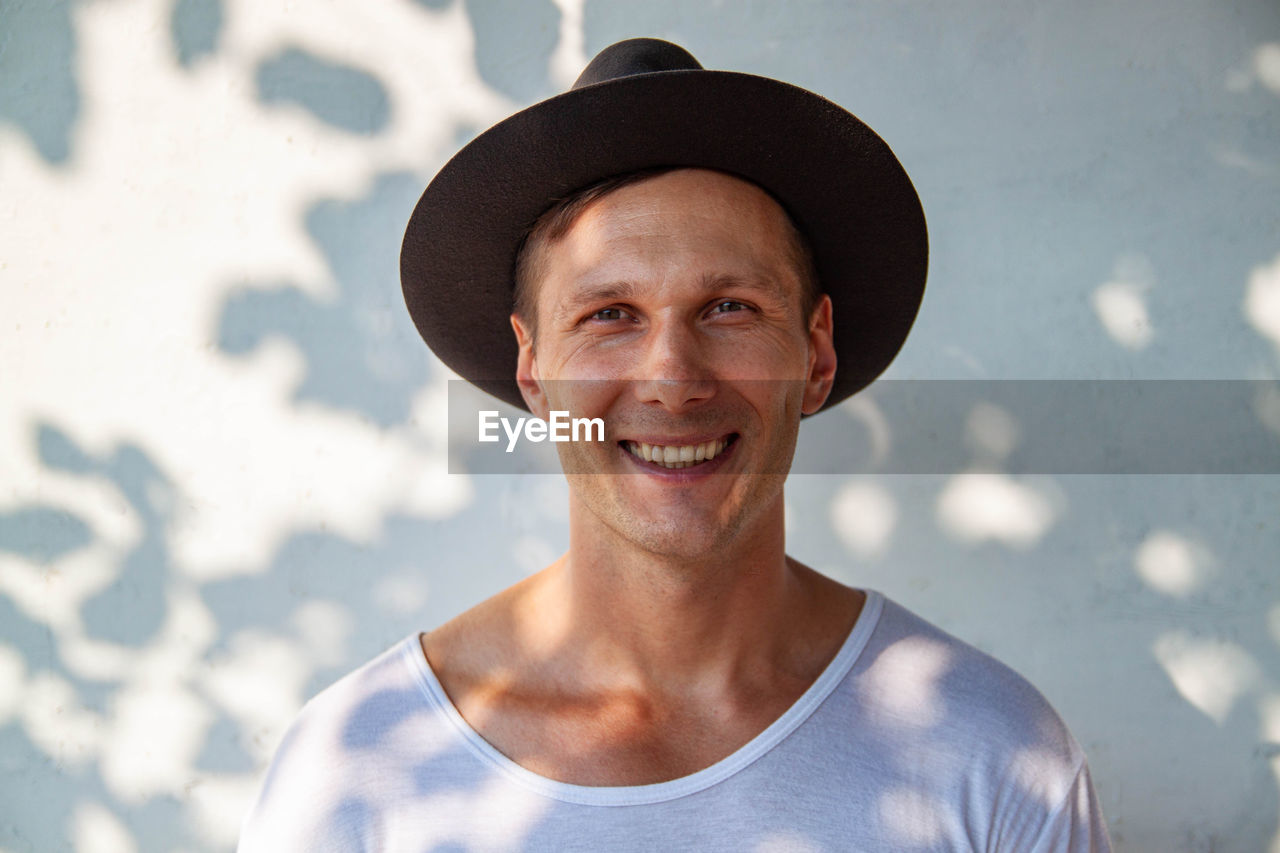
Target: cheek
(589, 358)
(582, 397)
(765, 352)
(777, 403)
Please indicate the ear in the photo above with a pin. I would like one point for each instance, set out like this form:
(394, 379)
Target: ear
(822, 358)
(527, 376)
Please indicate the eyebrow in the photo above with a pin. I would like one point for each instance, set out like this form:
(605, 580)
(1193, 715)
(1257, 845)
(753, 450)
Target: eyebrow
(769, 286)
(623, 291)
(605, 292)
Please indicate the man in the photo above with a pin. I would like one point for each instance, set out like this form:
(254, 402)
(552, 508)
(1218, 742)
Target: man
(674, 680)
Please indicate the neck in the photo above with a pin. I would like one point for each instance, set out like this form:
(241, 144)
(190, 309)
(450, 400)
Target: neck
(679, 622)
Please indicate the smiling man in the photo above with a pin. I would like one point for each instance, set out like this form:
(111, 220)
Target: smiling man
(676, 306)
(699, 259)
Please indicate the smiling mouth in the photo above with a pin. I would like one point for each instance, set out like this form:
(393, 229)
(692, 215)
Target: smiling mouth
(679, 455)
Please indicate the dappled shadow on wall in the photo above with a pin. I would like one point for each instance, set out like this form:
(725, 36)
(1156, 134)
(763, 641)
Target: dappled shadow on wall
(196, 28)
(361, 351)
(337, 94)
(102, 714)
(140, 703)
(39, 93)
(139, 585)
(514, 43)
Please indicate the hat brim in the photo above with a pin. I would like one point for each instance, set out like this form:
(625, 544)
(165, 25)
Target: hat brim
(837, 179)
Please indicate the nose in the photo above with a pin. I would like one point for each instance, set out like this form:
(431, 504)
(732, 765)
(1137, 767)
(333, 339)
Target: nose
(674, 369)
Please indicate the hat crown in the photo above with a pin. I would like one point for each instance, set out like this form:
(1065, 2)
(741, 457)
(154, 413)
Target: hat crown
(636, 56)
(645, 103)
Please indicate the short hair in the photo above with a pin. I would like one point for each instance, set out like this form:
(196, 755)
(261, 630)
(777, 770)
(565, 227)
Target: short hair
(555, 222)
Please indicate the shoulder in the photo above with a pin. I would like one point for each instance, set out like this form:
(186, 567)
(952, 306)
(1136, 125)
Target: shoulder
(989, 748)
(489, 644)
(306, 795)
(914, 676)
(359, 708)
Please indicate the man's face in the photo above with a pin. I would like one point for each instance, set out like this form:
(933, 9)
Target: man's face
(672, 310)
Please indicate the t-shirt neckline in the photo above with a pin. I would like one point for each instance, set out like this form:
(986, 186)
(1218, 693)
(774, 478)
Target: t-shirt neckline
(657, 792)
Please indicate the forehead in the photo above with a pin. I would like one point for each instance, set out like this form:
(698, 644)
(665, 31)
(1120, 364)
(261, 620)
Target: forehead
(685, 196)
(677, 227)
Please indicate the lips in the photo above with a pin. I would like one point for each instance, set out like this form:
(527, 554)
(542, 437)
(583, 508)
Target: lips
(679, 455)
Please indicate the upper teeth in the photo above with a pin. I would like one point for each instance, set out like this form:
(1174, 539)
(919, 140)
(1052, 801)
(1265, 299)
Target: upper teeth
(673, 456)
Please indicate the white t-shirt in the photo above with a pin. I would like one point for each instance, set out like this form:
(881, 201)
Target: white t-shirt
(909, 740)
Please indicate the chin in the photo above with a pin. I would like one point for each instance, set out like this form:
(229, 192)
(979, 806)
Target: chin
(677, 544)
(679, 534)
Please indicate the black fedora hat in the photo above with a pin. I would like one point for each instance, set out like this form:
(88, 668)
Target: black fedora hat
(644, 103)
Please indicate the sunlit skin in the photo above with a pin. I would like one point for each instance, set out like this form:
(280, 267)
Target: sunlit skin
(677, 298)
(675, 629)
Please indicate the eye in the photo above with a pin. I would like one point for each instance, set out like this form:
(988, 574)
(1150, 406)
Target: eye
(728, 306)
(610, 314)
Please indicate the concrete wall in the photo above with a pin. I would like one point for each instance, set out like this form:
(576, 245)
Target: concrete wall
(222, 476)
